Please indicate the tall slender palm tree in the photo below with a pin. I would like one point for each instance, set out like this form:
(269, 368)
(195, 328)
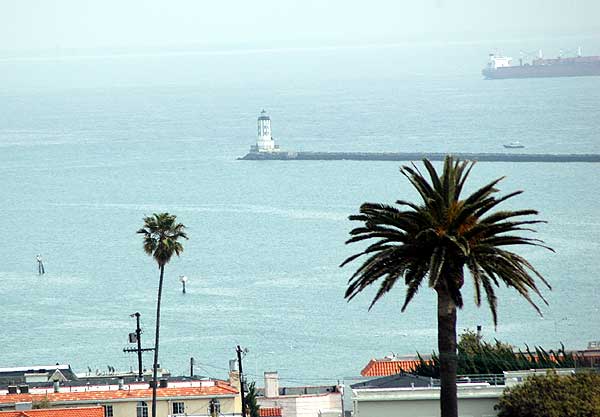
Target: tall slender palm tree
(161, 233)
(435, 241)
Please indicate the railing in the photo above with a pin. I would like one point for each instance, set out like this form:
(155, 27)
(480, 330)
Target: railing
(492, 379)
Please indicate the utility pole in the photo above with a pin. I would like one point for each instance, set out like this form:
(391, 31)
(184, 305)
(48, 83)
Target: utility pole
(138, 333)
(138, 339)
(191, 367)
(239, 356)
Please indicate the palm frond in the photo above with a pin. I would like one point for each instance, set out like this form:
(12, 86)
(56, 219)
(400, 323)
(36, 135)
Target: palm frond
(461, 179)
(436, 264)
(435, 179)
(440, 236)
(160, 237)
(414, 279)
(386, 285)
(483, 192)
(476, 274)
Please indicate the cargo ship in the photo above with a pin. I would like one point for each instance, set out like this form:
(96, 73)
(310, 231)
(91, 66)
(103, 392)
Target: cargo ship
(500, 67)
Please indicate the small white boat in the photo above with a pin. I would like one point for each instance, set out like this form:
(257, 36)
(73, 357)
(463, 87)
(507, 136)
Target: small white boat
(514, 145)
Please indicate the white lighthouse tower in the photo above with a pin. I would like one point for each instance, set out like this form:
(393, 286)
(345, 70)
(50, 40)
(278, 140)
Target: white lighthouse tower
(265, 142)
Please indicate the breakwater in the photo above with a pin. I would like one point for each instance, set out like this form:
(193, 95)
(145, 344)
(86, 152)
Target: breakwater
(417, 156)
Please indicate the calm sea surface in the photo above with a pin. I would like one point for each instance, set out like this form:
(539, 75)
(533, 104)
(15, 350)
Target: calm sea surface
(91, 144)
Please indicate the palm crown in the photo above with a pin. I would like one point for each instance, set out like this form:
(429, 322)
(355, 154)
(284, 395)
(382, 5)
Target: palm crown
(441, 236)
(161, 233)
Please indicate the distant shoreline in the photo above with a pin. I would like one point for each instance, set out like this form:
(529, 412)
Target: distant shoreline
(416, 156)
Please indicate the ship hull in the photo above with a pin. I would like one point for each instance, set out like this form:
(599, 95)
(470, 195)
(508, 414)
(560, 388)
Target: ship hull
(543, 71)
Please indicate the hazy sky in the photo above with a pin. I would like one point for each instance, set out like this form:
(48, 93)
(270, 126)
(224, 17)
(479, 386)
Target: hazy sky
(33, 24)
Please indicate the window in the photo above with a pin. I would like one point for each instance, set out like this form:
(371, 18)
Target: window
(142, 409)
(108, 411)
(178, 407)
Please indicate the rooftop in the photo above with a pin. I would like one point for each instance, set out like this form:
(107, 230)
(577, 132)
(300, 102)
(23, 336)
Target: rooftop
(395, 381)
(264, 116)
(105, 380)
(270, 412)
(20, 374)
(390, 365)
(130, 392)
(57, 412)
(298, 391)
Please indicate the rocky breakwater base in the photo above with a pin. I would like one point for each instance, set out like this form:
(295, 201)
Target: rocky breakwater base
(416, 156)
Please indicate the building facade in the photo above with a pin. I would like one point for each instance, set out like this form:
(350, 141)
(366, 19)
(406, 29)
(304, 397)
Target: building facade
(313, 401)
(57, 412)
(474, 400)
(190, 398)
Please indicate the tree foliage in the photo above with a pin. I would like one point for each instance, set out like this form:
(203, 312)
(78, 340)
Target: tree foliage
(438, 239)
(476, 356)
(552, 395)
(435, 240)
(253, 407)
(41, 404)
(161, 234)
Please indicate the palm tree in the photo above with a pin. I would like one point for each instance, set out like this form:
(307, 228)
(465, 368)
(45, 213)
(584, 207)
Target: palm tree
(436, 240)
(161, 233)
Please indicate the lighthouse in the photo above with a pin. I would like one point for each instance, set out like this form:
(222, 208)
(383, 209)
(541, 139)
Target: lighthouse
(265, 142)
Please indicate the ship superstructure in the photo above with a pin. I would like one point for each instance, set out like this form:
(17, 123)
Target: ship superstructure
(502, 67)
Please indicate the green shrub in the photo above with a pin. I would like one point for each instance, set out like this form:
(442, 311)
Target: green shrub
(41, 404)
(575, 395)
(476, 356)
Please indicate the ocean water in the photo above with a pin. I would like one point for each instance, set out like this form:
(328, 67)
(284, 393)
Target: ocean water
(90, 144)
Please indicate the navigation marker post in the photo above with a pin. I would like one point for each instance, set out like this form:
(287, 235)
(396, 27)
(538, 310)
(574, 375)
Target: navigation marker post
(183, 280)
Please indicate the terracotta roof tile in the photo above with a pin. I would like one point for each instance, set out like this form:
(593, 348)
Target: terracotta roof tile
(57, 412)
(386, 367)
(63, 397)
(270, 412)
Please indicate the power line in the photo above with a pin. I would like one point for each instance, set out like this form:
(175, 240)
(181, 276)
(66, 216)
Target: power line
(327, 378)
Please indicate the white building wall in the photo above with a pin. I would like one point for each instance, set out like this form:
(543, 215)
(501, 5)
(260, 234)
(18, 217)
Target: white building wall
(264, 141)
(423, 402)
(425, 408)
(303, 405)
(264, 130)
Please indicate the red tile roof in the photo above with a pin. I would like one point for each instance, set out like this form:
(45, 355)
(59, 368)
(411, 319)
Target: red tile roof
(106, 395)
(57, 412)
(270, 412)
(386, 367)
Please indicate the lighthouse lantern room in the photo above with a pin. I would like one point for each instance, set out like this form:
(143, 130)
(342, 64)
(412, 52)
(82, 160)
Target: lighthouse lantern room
(265, 142)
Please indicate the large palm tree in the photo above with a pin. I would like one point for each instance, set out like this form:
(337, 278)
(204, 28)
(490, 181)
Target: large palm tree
(435, 241)
(161, 234)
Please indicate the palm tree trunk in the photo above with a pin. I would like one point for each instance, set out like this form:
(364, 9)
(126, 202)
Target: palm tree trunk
(448, 357)
(156, 337)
